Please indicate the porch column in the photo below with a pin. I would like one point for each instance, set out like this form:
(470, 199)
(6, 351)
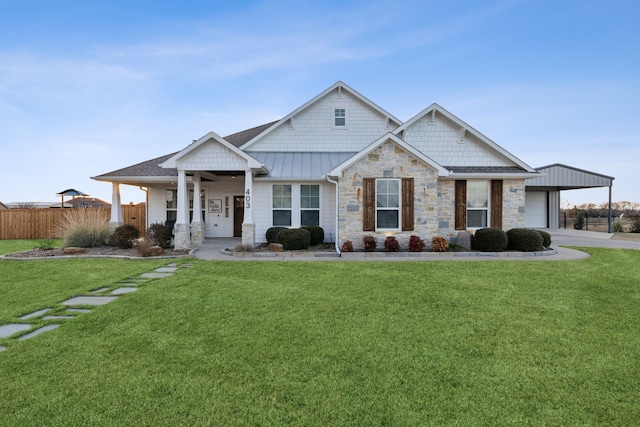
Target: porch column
(248, 229)
(181, 228)
(116, 208)
(197, 226)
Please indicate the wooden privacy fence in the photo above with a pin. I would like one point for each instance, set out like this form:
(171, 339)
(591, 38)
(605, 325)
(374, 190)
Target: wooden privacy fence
(43, 223)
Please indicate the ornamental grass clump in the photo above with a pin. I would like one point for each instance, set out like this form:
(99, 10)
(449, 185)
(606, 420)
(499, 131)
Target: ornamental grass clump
(85, 228)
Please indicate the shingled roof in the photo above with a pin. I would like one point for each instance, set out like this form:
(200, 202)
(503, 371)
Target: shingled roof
(151, 168)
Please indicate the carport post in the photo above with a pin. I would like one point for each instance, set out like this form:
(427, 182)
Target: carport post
(609, 219)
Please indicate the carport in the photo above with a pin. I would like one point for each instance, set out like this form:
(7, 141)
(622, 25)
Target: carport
(542, 199)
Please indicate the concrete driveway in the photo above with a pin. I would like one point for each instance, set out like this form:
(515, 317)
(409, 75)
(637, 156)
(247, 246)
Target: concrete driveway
(569, 237)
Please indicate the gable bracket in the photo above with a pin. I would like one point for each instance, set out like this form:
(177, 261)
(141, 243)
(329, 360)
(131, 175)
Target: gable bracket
(432, 120)
(461, 134)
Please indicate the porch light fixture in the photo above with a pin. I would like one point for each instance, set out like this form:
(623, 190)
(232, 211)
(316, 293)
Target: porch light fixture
(233, 176)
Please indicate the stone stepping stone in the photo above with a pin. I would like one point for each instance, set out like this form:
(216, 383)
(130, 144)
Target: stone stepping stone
(121, 291)
(155, 275)
(97, 291)
(166, 269)
(2, 348)
(58, 316)
(38, 332)
(187, 265)
(78, 310)
(89, 300)
(35, 314)
(12, 328)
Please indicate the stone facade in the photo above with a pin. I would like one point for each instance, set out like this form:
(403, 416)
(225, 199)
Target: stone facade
(387, 161)
(513, 192)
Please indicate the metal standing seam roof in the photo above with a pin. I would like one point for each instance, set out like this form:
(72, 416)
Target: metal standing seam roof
(563, 177)
(301, 165)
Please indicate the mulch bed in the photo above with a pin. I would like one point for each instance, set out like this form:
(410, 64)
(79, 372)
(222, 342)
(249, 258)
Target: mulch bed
(106, 251)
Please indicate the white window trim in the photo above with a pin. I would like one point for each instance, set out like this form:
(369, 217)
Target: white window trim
(487, 209)
(333, 117)
(399, 208)
(296, 210)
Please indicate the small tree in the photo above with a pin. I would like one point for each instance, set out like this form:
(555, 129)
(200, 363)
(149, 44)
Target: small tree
(579, 224)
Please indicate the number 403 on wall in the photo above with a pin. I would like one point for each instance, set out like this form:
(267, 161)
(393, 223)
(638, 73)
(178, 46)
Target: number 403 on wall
(247, 199)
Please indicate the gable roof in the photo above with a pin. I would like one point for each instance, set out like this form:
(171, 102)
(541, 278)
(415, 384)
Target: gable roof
(340, 86)
(240, 138)
(435, 108)
(251, 162)
(337, 171)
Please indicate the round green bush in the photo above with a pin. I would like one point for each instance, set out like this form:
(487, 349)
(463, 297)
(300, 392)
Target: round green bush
(123, 236)
(525, 240)
(272, 234)
(546, 238)
(293, 239)
(160, 235)
(317, 234)
(490, 240)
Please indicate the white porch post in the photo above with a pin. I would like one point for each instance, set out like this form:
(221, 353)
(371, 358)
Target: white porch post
(181, 228)
(116, 208)
(197, 226)
(248, 229)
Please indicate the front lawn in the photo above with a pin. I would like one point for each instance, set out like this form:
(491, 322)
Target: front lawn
(333, 343)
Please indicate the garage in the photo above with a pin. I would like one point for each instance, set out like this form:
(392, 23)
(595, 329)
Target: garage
(536, 209)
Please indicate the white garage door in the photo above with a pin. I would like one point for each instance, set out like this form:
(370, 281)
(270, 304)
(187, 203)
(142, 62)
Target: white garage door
(535, 205)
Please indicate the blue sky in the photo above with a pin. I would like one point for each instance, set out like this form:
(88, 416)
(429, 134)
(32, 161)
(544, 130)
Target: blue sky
(87, 87)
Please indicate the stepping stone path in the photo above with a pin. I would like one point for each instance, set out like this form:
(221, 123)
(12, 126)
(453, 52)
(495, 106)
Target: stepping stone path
(126, 286)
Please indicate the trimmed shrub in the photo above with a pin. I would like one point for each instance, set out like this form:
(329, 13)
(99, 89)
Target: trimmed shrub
(369, 243)
(391, 244)
(293, 239)
(524, 239)
(546, 238)
(317, 234)
(159, 235)
(85, 228)
(579, 224)
(272, 234)
(416, 244)
(124, 236)
(439, 244)
(347, 246)
(490, 240)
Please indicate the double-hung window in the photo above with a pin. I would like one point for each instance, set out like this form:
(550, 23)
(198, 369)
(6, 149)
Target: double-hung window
(281, 204)
(388, 204)
(295, 205)
(477, 204)
(339, 118)
(309, 205)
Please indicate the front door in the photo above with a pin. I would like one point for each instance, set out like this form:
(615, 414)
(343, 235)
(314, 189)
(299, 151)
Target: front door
(238, 215)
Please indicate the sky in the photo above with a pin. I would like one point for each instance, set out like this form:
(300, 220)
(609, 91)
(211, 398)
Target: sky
(89, 87)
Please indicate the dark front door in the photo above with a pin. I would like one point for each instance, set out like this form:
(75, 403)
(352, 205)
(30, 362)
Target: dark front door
(238, 215)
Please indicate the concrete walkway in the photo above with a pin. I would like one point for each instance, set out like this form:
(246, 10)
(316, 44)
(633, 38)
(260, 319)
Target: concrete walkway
(213, 249)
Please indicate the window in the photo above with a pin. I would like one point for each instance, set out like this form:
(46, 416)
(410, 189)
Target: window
(309, 205)
(295, 205)
(387, 203)
(477, 203)
(172, 204)
(339, 117)
(281, 205)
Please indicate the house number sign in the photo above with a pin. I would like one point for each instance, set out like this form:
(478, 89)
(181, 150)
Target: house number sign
(247, 199)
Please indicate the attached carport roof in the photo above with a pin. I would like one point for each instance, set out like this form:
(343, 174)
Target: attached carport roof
(563, 177)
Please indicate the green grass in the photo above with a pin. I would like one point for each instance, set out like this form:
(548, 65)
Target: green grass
(333, 343)
(12, 246)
